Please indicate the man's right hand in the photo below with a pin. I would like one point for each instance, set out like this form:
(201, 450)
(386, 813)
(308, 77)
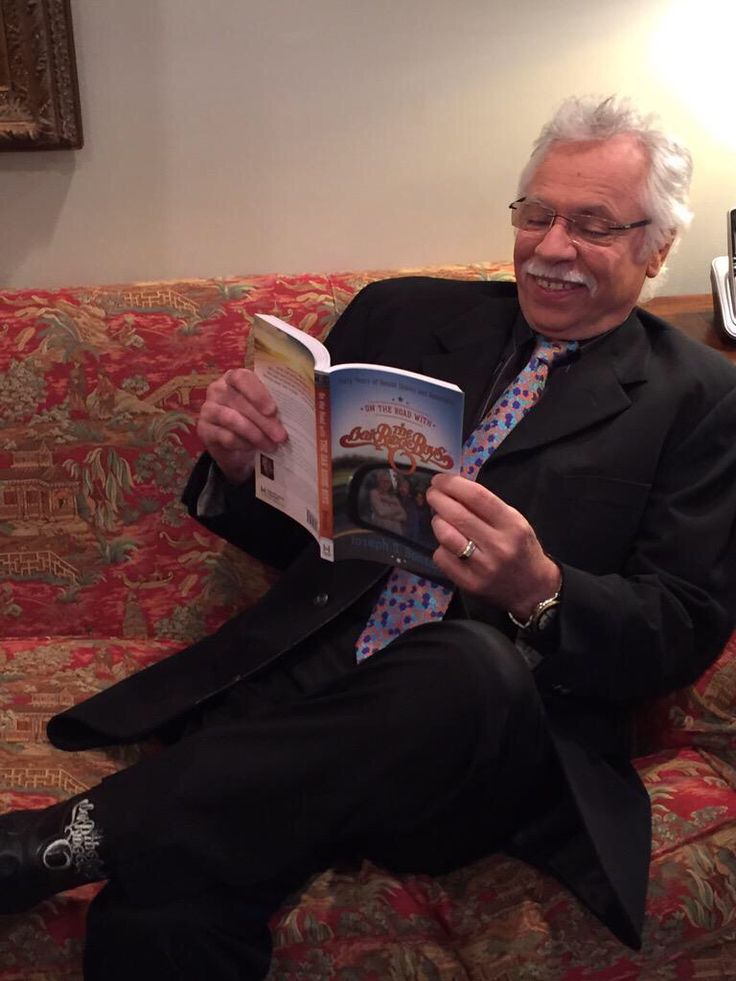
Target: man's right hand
(238, 417)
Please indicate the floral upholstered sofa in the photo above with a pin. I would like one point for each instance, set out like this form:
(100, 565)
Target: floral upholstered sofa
(102, 572)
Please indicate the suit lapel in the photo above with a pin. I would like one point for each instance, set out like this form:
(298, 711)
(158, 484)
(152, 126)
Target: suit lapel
(591, 389)
(578, 395)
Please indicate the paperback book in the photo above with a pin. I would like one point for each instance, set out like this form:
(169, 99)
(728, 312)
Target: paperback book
(364, 442)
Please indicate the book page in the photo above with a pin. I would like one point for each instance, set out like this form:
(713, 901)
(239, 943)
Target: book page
(284, 360)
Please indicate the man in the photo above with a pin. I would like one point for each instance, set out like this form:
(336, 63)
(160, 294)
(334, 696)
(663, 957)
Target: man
(590, 547)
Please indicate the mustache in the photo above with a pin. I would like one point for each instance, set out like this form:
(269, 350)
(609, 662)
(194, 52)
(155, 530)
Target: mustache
(562, 271)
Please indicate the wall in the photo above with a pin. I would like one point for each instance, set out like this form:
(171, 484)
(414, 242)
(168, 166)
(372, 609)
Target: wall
(241, 137)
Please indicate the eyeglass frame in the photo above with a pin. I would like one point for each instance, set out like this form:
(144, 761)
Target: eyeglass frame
(572, 222)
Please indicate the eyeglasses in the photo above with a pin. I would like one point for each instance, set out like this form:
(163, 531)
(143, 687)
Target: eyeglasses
(536, 218)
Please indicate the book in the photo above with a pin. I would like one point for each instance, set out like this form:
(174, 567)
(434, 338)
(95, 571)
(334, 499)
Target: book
(364, 442)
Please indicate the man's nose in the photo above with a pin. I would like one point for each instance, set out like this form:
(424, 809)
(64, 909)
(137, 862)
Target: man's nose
(556, 241)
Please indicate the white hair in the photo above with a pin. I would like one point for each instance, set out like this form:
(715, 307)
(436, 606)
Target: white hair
(666, 193)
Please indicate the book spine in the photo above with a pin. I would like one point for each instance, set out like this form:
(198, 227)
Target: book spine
(324, 453)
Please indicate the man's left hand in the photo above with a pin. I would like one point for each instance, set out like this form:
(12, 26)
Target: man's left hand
(509, 567)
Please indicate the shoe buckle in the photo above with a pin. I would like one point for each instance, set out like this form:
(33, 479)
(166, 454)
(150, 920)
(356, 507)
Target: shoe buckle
(57, 855)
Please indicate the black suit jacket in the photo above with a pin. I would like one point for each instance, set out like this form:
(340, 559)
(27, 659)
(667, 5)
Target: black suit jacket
(626, 470)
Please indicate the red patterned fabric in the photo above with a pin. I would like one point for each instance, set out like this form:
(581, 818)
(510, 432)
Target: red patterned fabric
(703, 715)
(500, 919)
(102, 572)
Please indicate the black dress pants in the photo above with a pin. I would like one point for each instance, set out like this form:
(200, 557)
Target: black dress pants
(423, 758)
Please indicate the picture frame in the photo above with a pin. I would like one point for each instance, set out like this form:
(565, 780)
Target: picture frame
(39, 90)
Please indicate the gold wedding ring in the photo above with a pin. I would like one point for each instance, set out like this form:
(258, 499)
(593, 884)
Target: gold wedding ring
(467, 551)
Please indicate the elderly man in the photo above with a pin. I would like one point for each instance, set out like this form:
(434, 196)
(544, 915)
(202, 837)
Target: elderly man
(360, 711)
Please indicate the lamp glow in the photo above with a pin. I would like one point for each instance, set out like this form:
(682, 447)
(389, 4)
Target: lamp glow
(693, 51)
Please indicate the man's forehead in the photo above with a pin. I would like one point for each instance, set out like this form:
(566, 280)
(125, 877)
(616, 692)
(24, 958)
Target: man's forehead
(593, 176)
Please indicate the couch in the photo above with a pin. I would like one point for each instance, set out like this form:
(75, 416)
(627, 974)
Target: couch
(102, 573)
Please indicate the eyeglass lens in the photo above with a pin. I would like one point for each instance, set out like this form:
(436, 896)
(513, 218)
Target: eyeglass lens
(534, 217)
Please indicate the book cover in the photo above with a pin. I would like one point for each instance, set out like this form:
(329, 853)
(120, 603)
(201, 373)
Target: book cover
(391, 432)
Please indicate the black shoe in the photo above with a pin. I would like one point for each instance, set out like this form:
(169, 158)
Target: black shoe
(47, 851)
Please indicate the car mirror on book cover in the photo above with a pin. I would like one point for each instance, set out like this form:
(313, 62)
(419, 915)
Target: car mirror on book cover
(393, 502)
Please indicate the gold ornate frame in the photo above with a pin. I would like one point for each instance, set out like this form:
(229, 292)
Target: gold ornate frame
(39, 93)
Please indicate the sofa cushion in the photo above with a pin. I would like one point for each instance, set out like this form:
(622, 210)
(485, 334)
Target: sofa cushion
(501, 919)
(702, 715)
(495, 919)
(41, 676)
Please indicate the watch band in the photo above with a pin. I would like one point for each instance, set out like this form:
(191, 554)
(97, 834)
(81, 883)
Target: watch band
(536, 615)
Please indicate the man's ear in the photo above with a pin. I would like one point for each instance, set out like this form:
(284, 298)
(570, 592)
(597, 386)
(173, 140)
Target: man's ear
(656, 260)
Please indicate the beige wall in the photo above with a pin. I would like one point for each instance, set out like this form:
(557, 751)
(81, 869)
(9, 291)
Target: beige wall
(245, 136)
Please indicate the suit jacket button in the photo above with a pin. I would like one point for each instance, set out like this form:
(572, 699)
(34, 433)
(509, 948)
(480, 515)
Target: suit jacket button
(321, 599)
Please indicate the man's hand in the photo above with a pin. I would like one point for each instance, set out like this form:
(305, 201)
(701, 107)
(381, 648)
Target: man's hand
(239, 416)
(509, 567)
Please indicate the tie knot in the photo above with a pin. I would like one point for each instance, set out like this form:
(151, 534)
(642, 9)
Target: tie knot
(553, 352)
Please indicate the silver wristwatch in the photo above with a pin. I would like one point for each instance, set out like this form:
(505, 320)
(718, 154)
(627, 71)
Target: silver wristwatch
(541, 616)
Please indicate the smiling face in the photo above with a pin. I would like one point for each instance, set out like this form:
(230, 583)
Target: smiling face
(384, 481)
(573, 290)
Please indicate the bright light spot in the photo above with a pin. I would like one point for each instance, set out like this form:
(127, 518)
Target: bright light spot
(693, 50)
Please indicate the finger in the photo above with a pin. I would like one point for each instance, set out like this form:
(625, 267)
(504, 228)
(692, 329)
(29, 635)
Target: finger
(255, 402)
(241, 390)
(506, 533)
(226, 404)
(467, 574)
(247, 384)
(454, 540)
(235, 430)
(456, 514)
(227, 448)
(452, 495)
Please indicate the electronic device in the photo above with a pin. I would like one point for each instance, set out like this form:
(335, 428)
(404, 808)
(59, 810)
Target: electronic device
(723, 281)
(731, 232)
